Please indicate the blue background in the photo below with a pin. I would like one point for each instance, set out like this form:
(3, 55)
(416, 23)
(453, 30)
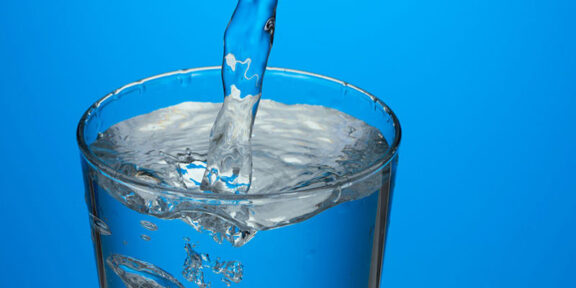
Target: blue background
(485, 91)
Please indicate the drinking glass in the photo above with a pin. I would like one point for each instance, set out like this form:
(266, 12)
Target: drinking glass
(149, 235)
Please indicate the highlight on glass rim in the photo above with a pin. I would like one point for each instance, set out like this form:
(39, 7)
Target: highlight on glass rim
(239, 175)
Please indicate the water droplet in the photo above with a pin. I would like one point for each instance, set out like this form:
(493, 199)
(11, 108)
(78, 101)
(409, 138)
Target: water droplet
(148, 225)
(137, 273)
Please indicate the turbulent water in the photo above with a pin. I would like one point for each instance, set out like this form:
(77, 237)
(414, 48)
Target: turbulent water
(295, 147)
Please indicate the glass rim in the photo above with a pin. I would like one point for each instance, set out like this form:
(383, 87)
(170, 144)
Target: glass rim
(126, 180)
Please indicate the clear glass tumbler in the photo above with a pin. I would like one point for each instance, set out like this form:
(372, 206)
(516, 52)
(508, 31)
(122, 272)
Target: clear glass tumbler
(149, 235)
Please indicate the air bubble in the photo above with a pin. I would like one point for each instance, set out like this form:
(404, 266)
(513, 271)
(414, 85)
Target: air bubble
(148, 225)
(136, 273)
(99, 225)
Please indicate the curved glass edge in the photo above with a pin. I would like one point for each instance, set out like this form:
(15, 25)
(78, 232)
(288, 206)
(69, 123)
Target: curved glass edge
(125, 180)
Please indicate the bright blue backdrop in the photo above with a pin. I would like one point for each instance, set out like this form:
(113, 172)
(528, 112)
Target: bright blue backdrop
(485, 91)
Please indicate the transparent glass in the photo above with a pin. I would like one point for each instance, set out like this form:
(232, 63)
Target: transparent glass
(339, 244)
